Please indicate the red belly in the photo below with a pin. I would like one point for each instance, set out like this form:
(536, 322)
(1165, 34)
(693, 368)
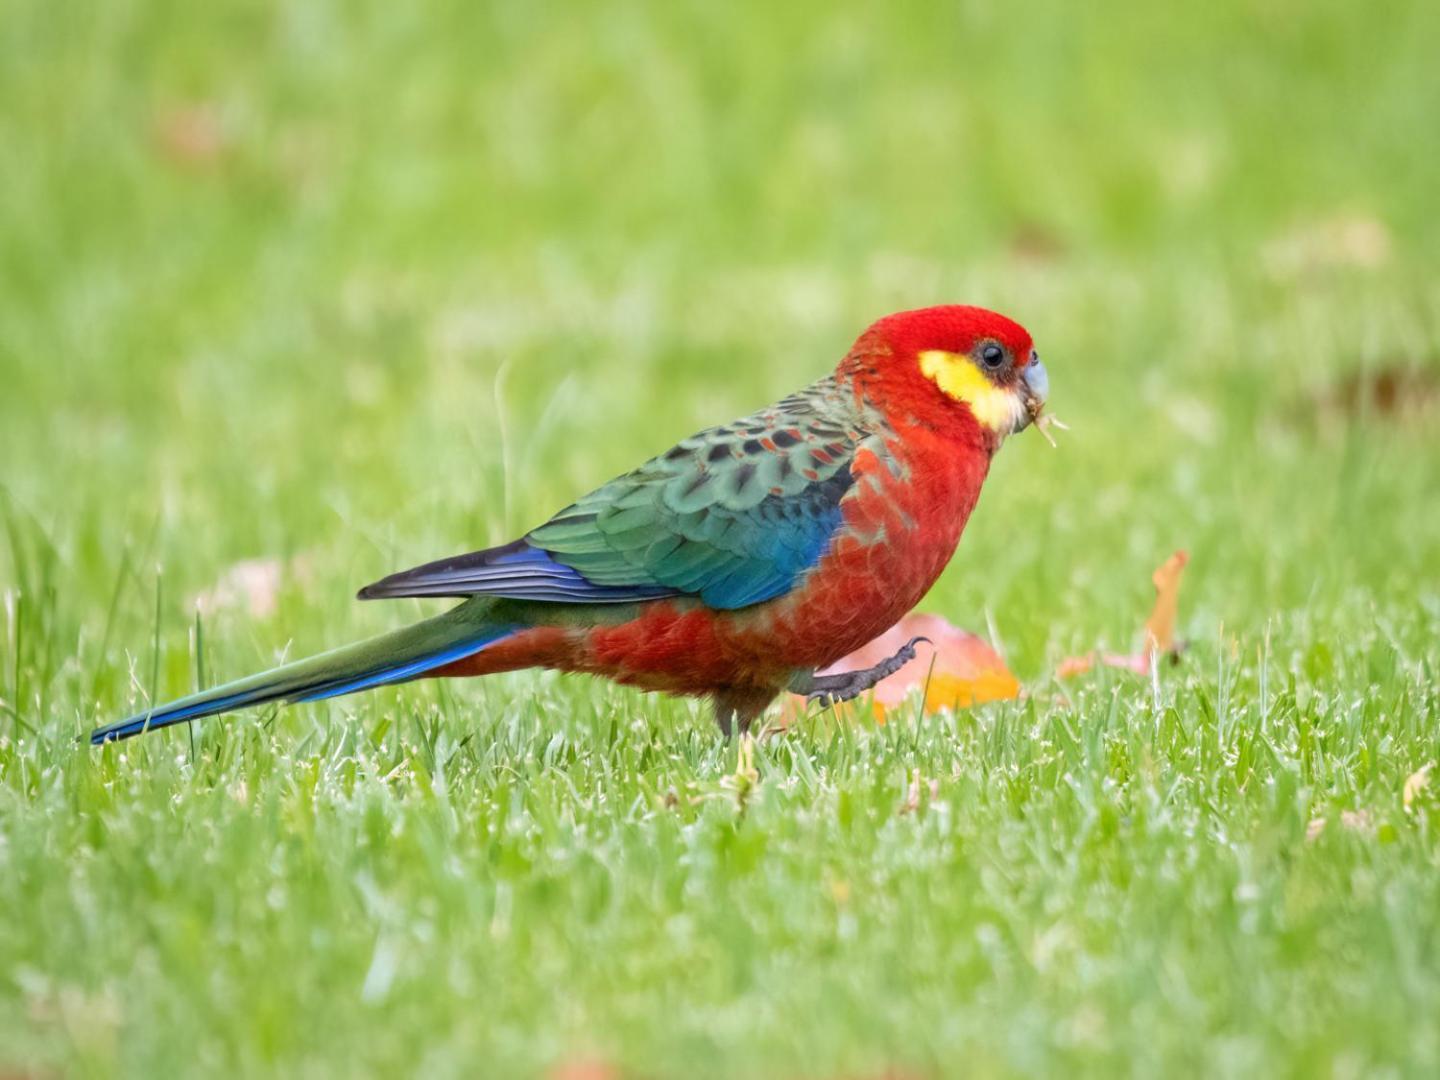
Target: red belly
(900, 533)
(901, 528)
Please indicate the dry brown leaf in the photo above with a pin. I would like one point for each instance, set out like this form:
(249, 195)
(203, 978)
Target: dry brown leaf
(253, 584)
(192, 136)
(918, 785)
(1400, 389)
(1355, 821)
(1036, 243)
(1416, 783)
(1356, 241)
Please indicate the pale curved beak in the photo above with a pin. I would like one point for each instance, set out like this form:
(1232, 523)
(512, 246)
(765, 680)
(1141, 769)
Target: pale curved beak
(1035, 388)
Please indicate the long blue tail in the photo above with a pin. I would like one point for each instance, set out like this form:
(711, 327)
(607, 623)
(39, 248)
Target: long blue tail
(389, 658)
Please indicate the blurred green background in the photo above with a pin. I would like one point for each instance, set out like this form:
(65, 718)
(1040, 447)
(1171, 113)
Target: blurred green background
(321, 290)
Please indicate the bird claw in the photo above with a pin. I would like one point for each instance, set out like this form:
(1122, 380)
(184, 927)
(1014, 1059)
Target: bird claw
(830, 690)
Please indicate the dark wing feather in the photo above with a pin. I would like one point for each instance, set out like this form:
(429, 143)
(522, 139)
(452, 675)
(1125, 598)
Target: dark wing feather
(516, 570)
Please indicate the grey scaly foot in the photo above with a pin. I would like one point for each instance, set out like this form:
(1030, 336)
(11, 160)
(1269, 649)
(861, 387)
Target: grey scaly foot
(844, 685)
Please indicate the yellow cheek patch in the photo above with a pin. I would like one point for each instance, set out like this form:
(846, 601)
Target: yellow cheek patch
(996, 408)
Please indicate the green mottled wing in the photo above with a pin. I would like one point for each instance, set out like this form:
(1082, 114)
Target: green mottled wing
(734, 515)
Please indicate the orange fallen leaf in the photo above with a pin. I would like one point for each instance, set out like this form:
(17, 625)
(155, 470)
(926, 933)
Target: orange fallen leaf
(1074, 665)
(584, 1069)
(991, 682)
(957, 669)
(1159, 627)
(1071, 666)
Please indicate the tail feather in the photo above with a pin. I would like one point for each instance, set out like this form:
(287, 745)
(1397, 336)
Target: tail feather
(389, 658)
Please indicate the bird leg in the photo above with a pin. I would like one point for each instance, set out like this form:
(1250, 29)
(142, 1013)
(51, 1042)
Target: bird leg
(844, 685)
(738, 706)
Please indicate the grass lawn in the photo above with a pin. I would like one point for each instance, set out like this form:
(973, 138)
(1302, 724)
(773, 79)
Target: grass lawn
(325, 290)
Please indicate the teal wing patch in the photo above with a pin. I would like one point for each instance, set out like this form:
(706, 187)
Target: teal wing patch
(734, 515)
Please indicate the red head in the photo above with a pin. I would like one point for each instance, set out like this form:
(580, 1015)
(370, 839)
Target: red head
(951, 362)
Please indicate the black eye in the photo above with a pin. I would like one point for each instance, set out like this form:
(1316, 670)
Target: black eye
(993, 355)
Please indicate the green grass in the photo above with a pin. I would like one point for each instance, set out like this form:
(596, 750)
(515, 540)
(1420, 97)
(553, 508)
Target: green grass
(448, 269)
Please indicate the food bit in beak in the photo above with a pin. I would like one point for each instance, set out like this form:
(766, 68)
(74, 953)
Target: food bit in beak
(1044, 421)
(1037, 391)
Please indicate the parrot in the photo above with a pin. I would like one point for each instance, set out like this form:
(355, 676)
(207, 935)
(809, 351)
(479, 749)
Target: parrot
(734, 566)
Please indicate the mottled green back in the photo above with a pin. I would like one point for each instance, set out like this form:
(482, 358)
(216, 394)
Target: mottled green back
(735, 514)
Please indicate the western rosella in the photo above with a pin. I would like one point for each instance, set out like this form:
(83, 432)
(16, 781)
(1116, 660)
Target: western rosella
(735, 564)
